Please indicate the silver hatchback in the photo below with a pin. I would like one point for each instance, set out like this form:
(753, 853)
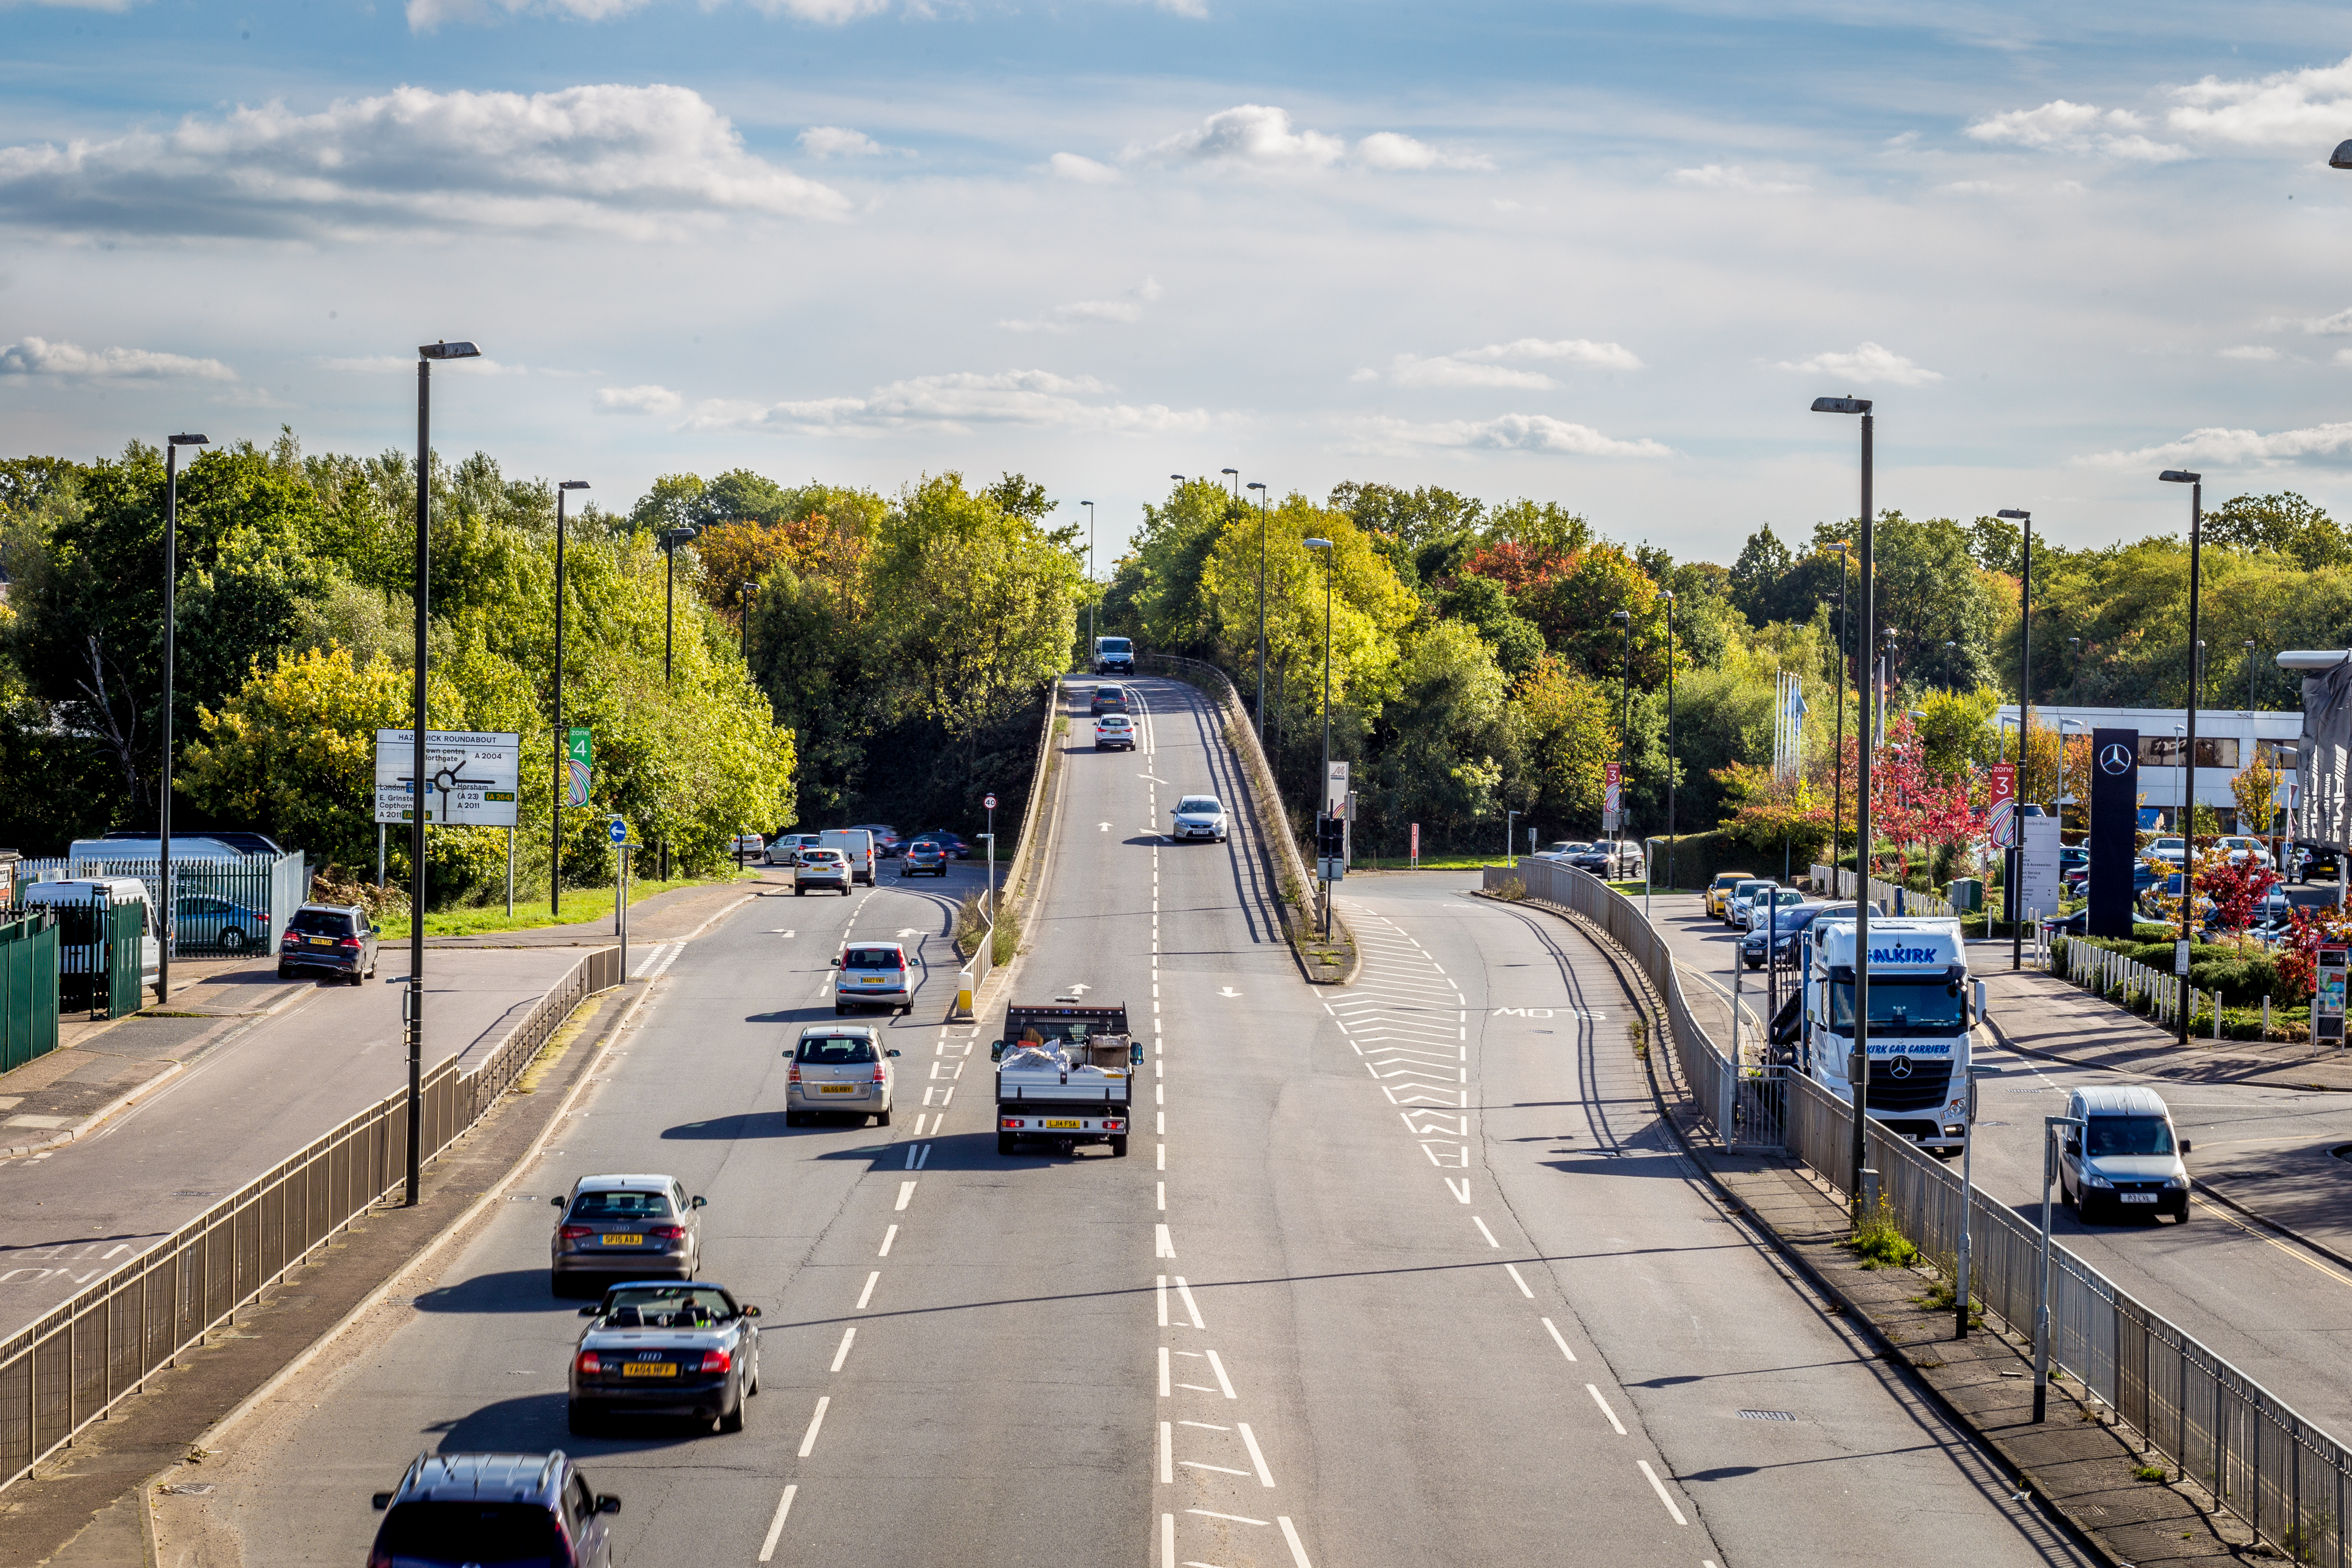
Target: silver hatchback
(634, 1227)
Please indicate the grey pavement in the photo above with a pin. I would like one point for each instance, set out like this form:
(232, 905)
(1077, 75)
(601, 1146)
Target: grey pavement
(1324, 1314)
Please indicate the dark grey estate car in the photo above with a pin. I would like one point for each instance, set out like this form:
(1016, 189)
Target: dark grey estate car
(625, 1227)
(338, 939)
(657, 1348)
(517, 1511)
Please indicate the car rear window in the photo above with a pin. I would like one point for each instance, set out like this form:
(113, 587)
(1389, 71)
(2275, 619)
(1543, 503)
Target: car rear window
(621, 1205)
(320, 922)
(820, 857)
(835, 1050)
(873, 958)
(506, 1534)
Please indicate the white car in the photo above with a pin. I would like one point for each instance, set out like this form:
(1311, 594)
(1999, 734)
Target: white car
(1198, 817)
(1750, 913)
(747, 844)
(1114, 732)
(2242, 849)
(2165, 849)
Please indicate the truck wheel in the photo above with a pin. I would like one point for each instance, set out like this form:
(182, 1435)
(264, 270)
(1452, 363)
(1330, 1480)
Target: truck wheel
(1004, 1143)
(1119, 1147)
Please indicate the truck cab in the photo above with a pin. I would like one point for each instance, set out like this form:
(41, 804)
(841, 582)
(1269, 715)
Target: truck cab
(1920, 1019)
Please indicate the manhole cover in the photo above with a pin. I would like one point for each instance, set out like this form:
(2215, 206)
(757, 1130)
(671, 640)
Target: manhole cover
(1765, 1416)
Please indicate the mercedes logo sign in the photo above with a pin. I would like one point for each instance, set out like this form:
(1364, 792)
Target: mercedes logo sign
(2116, 760)
(1899, 1068)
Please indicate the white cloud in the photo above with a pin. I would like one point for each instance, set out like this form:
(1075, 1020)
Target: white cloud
(638, 400)
(1974, 188)
(1388, 150)
(406, 364)
(1252, 134)
(2335, 326)
(2300, 109)
(1491, 365)
(2261, 353)
(839, 141)
(1069, 317)
(955, 403)
(39, 356)
(1867, 365)
(635, 159)
(2234, 448)
(1508, 432)
(1085, 170)
(1732, 177)
(425, 15)
(2059, 126)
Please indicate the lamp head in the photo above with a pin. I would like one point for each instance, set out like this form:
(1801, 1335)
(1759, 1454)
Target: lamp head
(1178, 477)
(1668, 595)
(2011, 511)
(1621, 615)
(2179, 477)
(572, 485)
(1254, 485)
(190, 441)
(1316, 543)
(1229, 471)
(2342, 157)
(1841, 405)
(448, 350)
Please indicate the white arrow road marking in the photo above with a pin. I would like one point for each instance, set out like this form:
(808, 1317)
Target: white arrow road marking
(1167, 1249)
(1102, 826)
(1423, 1122)
(912, 931)
(1228, 991)
(1077, 990)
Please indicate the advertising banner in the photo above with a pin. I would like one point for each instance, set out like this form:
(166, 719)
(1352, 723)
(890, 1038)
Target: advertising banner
(578, 766)
(2004, 806)
(2115, 823)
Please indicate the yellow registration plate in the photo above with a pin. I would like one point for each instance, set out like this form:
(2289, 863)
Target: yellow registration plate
(838, 1088)
(622, 1240)
(321, 940)
(1064, 1122)
(648, 1368)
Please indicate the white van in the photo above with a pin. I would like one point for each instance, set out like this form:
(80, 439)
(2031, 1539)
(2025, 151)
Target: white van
(117, 889)
(184, 851)
(2125, 1158)
(858, 844)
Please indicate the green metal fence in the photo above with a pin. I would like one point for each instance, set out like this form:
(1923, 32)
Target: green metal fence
(28, 988)
(223, 908)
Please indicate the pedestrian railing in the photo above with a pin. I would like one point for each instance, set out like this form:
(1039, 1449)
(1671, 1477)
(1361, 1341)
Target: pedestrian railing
(1891, 897)
(87, 1355)
(2129, 983)
(221, 907)
(2252, 1454)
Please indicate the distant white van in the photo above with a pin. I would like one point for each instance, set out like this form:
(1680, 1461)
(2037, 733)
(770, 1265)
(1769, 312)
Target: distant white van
(855, 843)
(117, 889)
(184, 849)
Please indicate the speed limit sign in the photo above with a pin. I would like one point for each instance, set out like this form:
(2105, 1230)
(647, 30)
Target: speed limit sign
(989, 802)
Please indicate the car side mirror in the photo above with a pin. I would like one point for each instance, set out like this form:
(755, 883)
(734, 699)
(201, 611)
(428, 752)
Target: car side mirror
(751, 1311)
(607, 1503)
(590, 1312)
(380, 1501)
(2186, 1145)
(894, 1053)
(556, 1202)
(996, 1051)
(836, 964)
(700, 1202)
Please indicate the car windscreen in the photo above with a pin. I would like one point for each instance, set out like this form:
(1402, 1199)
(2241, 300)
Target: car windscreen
(873, 958)
(320, 922)
(1911, 1006)
(2128, 1135)
(596, 1205)
(1198, 806)
(502, 1534)
(835, 1050)
(1116, 644)
(670, 1306)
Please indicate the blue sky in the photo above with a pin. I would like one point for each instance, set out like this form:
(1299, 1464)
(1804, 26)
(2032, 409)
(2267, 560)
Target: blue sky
(1602, 255)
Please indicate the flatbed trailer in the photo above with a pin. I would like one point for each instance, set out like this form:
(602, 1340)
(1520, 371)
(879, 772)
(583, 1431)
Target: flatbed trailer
(1064, 1073)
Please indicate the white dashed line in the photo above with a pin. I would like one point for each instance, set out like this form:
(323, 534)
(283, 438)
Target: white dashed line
(808, 1443)
(1617, 1426)
(1660, 1488)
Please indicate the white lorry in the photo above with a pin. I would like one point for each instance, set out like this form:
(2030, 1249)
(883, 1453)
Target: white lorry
(1065, 1074)
(1920, 1016)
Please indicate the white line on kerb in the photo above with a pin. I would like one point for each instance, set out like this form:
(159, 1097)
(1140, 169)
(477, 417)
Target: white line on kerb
(808, 1443)
(868, 1294)
(1619, 1425)
(1223, 1382)
(1483, 1231)
(888, 1237)
(1290, 1534)
(1660, 1488)
(1556, 1339)
(1512, 1269)
(843, 1354)
(906, 1189)
(776, 1525)
(1249, 1441)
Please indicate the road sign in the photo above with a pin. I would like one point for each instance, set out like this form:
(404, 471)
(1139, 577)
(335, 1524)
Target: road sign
(470, 776)
(620, 831)
(1612, 788)
(578, 766)
(989, 802)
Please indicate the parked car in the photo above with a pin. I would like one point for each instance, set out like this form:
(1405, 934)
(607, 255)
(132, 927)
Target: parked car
(452, 1510)
(821, 868)
(746, 845)
(785, 848)
(953, 843)
(2241, 849)
(74, 955)
(1110, 699)
(1562, 848)
(839, 1069)
(652, 1348)
(636, 1227)
(2125, 1159)
(1742, 891)
(873, 975)
(888, 844)
(1718, 892)
(1790, 922)
(1198, 817)
(1114, 732)
(1611, 859)
(924, 857)
(204, 919)
(2313, 860)
(1748, 914)
(2165, 849)
(333, 939)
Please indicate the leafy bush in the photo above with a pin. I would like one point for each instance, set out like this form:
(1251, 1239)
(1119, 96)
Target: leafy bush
(1880, 1243)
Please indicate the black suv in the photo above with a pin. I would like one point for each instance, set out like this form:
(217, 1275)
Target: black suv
(339, 938)
(1110, 699)
(518, 1511)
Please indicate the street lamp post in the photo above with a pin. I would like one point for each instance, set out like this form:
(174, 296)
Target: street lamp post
(2013, 871)
(1668, 595)
(1328, 565)
(1625, 735)
(1235, 475)
(1260, 488)
(167, 928)
(2188, 750)
(1859, 1072)
(1837, 789)
(562, 751)
(421, 801)
(746, 594)
(1094, 600)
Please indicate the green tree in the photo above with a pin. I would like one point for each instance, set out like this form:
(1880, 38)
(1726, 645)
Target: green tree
(1449, 739)
(2284, 523)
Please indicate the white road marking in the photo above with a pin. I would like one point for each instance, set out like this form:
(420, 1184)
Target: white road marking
(808, 1443)
(1205, 1425)
(1167, 1453)
(1164, 1372)
(1167, 1541)
(1163, 1196)
(1161, 1292)
(1163, 1157)
(843, 1354)
(1513, 1272)
(905, 1192)
(1236, 1518)
(776, 1525)
(659, 958)
(1290, 1534)
(888, 1237)
(868, 1294)
(1166, 1248)
(1556, 1339)
(1594, 1390)
(1461, 1189)
(925, 1159)
(910, 1165)
(1191, 1306)
(1660, 1488)
(1483, 1231)
(1249, 1441)
(1220, 1470)
(1223, 1382)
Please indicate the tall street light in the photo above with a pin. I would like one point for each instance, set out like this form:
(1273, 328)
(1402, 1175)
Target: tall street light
(671, 538)
(2196, 483)
(1668, 595)
(1329, 561)
(1625, 735)
(562, 736)
(421, 801)
(1094, 629)
(168, 927)
(1260, 488)
(746, 594)
(1837, 747)
(1235, 475)
(2016, 865)
(1859, 1070)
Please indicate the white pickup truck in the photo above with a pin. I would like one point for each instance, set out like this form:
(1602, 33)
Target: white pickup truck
(1064, 1073)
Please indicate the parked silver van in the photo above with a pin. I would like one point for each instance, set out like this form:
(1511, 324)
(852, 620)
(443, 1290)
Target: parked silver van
(75, 959)
(2125, 1159)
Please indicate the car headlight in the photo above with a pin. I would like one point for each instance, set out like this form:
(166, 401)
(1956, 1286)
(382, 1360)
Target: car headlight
(2175, 1182)
(2092, 1178)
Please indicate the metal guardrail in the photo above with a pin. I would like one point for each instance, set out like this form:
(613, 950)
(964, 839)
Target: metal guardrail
(2286, 1477)
(87, 1355)
(1022, 864)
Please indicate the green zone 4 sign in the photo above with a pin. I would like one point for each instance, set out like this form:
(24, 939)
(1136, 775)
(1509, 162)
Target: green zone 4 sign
(577, 767)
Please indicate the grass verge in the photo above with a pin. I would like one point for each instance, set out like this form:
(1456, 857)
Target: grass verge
(579, 905)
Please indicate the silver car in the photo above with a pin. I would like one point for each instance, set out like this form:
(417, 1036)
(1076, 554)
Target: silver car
(874, 974)
(632, 1226)
(652, 1348)
(839, 1069)
(1198, 817)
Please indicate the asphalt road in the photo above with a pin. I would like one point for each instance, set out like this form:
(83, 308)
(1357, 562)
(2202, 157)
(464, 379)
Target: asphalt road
(81, 1211)
(1384, 1278)
(2281, 1314)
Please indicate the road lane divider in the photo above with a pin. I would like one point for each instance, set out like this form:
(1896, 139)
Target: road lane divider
(1598, 1398)
(868, 1294)
(1512, 1269)
(1556, 1339)
(808, 1439)
(1659, 1486)
(841, 1355)
(906, 1193)
(776, 1525)
(1257, 1458)
(888, 1237)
